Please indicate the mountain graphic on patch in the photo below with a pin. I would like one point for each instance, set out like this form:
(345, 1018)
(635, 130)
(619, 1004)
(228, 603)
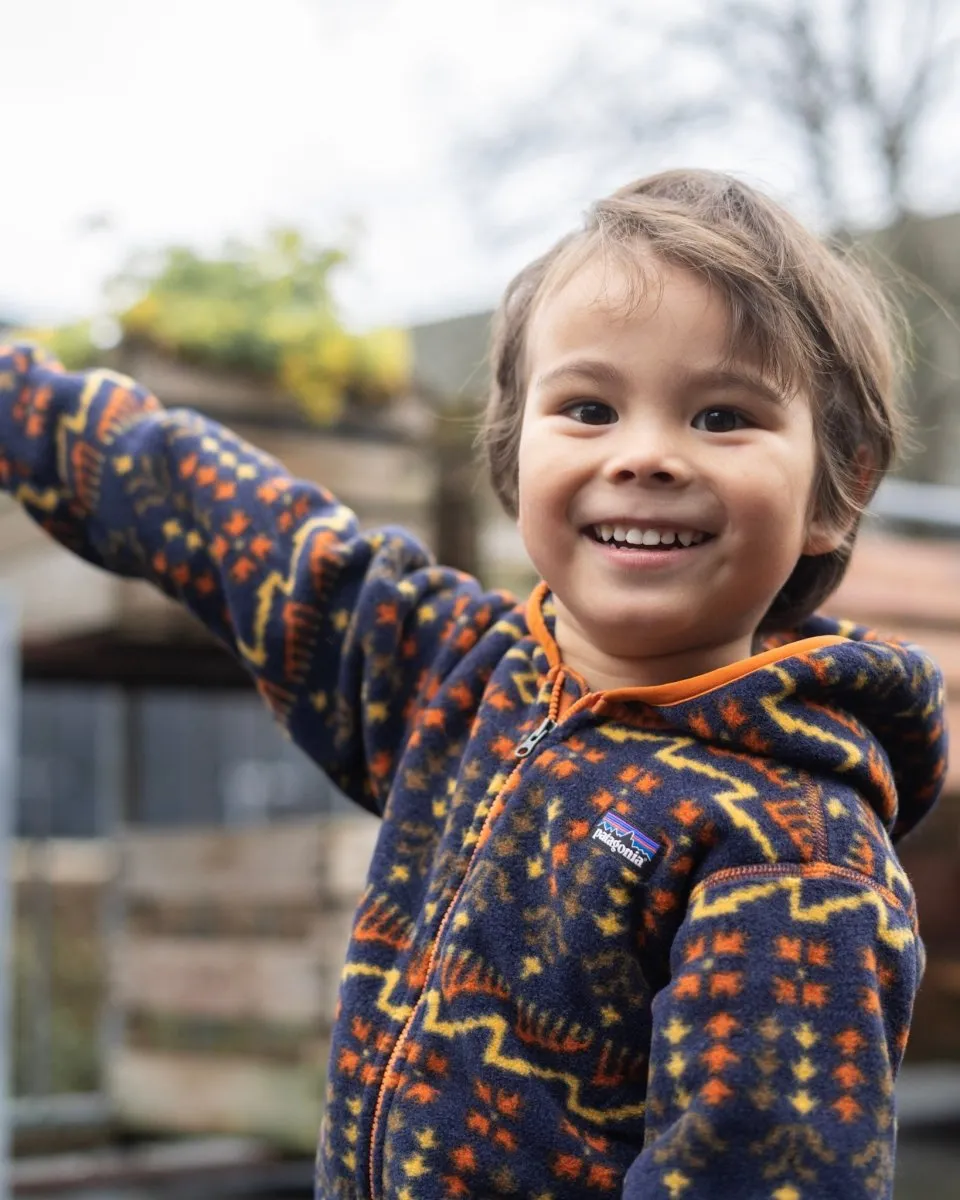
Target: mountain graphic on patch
(626, 841)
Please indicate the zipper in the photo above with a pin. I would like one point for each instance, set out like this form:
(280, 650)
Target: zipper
(533, 740)
(523, 750)
(401, 1041)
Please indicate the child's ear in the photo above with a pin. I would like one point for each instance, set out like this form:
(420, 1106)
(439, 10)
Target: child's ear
(824, 534)
(824, 537)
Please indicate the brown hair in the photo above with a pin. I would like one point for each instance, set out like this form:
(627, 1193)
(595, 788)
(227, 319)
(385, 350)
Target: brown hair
(805, 312)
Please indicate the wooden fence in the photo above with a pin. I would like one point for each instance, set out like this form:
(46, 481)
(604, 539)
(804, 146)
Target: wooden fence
(224, 975)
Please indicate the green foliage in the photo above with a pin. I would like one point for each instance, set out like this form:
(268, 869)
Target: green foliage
(73, 345)
(264, 308)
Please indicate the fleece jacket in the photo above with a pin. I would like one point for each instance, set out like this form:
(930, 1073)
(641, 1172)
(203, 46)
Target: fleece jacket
(652, 943)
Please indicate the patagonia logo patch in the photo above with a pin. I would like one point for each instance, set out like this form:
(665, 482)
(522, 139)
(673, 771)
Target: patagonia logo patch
(626, 841)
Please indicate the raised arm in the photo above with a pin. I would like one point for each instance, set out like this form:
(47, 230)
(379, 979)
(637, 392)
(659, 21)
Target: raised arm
(328, 620)
(776, 1043)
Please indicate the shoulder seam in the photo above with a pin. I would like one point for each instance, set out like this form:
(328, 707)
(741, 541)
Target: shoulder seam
(813, 870)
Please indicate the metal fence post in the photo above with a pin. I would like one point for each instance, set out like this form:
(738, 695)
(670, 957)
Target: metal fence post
(113, 777)
(9, 743)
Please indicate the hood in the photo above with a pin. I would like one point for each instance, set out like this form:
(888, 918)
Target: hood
(886, 698)
(832, 698)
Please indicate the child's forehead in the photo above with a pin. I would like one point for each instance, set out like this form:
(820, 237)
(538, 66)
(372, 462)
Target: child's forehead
(606, 295)
(596, 291)
(613, 280)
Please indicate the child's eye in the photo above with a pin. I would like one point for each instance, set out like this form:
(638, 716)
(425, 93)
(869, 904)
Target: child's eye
(591, 412)
(719, 420)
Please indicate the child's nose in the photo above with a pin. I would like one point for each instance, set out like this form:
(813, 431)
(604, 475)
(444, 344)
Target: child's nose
(648, 460)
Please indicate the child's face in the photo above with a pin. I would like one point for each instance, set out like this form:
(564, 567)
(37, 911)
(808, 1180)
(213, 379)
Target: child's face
(636, 422)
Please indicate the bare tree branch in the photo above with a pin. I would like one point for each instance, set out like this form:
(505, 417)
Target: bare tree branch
(598, 115)
(894, 113)
(819, 79)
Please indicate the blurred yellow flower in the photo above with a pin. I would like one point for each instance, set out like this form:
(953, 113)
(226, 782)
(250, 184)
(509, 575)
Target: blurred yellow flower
(263, 309)
(386, 359)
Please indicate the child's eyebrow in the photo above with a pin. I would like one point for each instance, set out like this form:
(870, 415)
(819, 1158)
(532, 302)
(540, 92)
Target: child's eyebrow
(605, 374)
(593, 370)
(721, 378)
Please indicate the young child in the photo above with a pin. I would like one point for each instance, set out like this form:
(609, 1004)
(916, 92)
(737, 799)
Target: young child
(634, 925)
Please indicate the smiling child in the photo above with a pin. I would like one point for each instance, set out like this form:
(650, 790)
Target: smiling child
(634, 925)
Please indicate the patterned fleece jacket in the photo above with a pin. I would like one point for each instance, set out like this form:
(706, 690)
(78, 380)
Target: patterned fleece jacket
(651, 943)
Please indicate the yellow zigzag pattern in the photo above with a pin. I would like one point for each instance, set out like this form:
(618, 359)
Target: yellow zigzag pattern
(45, 501)
(895, 874)
(791, 724)
(494, 1055)
(396, 1012)
(732, 902)
(276, 581)
(78, 421)
(48, 499)
(527, 682)
(510, 622)
(737, 793)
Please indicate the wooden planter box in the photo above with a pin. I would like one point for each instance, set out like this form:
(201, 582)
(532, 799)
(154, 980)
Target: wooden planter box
(224, 975)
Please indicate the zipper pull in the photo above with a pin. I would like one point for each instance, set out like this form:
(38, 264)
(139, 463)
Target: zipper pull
(533, 740)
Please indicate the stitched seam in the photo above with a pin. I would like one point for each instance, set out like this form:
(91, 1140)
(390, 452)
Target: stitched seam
(811, 869)
(813, 794)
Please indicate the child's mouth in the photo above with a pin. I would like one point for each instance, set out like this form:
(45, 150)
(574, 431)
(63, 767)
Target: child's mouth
(633, 537)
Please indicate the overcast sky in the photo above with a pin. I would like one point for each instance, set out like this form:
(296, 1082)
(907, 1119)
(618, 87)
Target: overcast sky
(194, 120)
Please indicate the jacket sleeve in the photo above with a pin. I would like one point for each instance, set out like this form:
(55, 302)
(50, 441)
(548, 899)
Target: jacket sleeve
(345, 633)
(777, 1041)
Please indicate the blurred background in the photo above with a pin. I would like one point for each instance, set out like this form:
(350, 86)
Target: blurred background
(297, 217)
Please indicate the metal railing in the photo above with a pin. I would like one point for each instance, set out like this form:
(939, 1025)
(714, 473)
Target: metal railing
(9, 741)
(932, 506)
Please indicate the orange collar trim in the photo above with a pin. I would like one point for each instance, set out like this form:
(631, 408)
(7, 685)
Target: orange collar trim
(538, 626)
(665, 694)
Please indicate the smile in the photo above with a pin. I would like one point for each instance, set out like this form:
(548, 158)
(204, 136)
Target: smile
(629, 537)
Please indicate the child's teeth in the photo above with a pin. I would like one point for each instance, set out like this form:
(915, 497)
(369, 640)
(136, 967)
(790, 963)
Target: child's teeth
(632, 536)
